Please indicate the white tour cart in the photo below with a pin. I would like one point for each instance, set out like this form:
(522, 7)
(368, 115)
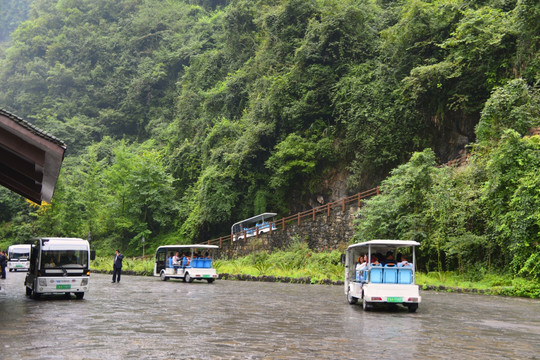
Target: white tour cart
(388, 283)
(197, 263)
(254, 225)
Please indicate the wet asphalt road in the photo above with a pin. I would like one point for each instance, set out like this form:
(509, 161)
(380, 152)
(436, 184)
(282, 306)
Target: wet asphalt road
(145, 318)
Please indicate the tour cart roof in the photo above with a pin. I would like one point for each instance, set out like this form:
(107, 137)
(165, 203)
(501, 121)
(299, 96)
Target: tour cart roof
(384, 243)
(195, 246)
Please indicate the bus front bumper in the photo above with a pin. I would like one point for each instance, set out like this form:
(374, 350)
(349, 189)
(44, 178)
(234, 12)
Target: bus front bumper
(62, 284)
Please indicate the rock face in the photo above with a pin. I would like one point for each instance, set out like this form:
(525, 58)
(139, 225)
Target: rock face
(325, 232)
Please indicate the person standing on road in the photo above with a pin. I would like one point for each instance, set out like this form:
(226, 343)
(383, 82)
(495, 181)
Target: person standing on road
(3, 263)
(117, 266)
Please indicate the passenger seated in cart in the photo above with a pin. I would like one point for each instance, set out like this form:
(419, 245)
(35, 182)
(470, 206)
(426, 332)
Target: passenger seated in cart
(362, 261)
(360, 267)
(389, 259)
(176, 261)
(404, 261)
(185, 261)
(375, 260)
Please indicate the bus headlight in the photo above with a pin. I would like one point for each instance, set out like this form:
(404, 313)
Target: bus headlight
(42, 282)
(84, 282)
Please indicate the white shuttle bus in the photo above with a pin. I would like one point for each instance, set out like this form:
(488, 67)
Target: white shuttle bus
(386, 276)
(19, 257)
(59, 266)
(196, 262)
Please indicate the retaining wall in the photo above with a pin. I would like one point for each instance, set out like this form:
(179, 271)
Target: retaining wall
(326, 232)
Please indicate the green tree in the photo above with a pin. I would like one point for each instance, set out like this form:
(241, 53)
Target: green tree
(513, 106)
(511, 198)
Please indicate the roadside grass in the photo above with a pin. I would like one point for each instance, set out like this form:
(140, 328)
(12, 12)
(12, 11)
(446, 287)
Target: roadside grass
(298, 261)
(139, 265)
(490, 283)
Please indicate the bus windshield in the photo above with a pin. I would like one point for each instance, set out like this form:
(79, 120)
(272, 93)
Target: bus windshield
(18, 255)
(64, 259)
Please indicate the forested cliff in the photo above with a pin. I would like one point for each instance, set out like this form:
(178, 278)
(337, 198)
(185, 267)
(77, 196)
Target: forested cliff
(182, 117)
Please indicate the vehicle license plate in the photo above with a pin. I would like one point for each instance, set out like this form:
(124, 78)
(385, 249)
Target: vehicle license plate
(18, 265)
(206, 276)
(394, 299)
(63, 286)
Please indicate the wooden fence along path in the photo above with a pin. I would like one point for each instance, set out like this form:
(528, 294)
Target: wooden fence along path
(299, 217)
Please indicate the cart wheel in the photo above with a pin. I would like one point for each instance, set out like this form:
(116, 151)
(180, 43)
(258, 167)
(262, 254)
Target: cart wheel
(210, 280)
(162, 276)
(351, 299)
(188, 278)
(412, 308)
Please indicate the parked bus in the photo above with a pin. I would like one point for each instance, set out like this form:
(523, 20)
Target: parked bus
(253, 226)
(59, 265)
(19, 257)
(387, 277)
(196, 262)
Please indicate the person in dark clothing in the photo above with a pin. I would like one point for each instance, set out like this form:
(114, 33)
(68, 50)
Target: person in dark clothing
(117, 266)
(3, 263)
(389, 259)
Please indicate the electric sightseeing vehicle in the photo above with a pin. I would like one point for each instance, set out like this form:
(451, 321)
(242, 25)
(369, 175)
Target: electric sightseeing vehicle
(385, 278)
(59, 266)
(196, 263)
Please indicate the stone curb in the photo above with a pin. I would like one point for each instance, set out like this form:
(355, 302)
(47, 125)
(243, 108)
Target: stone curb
(283, 279)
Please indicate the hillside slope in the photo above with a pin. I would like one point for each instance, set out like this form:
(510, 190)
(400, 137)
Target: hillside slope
(182, 117)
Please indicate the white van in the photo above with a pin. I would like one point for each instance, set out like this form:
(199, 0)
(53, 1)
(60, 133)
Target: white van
(19, 257)
(59, 266)
(196, 262)
(391, 281)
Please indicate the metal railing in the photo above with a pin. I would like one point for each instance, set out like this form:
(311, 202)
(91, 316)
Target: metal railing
(296, 218)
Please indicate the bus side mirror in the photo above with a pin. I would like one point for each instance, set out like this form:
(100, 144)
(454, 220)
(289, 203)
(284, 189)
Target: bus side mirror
(92, 254)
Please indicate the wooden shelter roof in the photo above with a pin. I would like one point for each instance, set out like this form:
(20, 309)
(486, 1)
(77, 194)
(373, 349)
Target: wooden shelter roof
(30, 159)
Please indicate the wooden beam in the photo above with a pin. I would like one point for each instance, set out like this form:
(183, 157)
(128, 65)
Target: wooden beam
(20, 165)
(22, 148)
(19, 184)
